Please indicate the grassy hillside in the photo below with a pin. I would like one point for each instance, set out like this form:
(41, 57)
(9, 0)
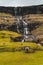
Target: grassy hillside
(6, 40)
(10, 19)
(18, 58)
(38, 30)
(6, 18)
(34, 17)
(21, 58)
(5, 35)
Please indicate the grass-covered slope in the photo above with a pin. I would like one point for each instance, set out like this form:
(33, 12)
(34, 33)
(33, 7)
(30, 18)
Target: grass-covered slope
(6, 42)
(5, 35)
(21, 58)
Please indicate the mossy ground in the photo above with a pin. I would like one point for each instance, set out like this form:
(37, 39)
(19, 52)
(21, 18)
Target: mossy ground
(21, 58)
(18, 58)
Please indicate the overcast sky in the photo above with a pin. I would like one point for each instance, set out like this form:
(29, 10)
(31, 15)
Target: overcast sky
(20, 2)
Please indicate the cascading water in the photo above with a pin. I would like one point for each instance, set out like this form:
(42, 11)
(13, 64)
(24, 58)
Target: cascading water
(16, 13)
(21, 23)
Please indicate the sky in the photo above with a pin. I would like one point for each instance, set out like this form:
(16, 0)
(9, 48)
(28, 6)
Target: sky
(21, 3)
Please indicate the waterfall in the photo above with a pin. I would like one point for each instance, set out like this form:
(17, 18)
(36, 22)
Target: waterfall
(15, 10)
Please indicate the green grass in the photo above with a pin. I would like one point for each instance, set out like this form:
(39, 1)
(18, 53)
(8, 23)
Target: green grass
(21, 58)
(18, 58)
(5, 40)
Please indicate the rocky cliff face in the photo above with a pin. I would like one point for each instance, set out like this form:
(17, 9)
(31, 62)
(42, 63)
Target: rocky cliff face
(8, 22)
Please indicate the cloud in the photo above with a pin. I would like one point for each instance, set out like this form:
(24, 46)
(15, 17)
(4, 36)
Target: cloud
(20, 2)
